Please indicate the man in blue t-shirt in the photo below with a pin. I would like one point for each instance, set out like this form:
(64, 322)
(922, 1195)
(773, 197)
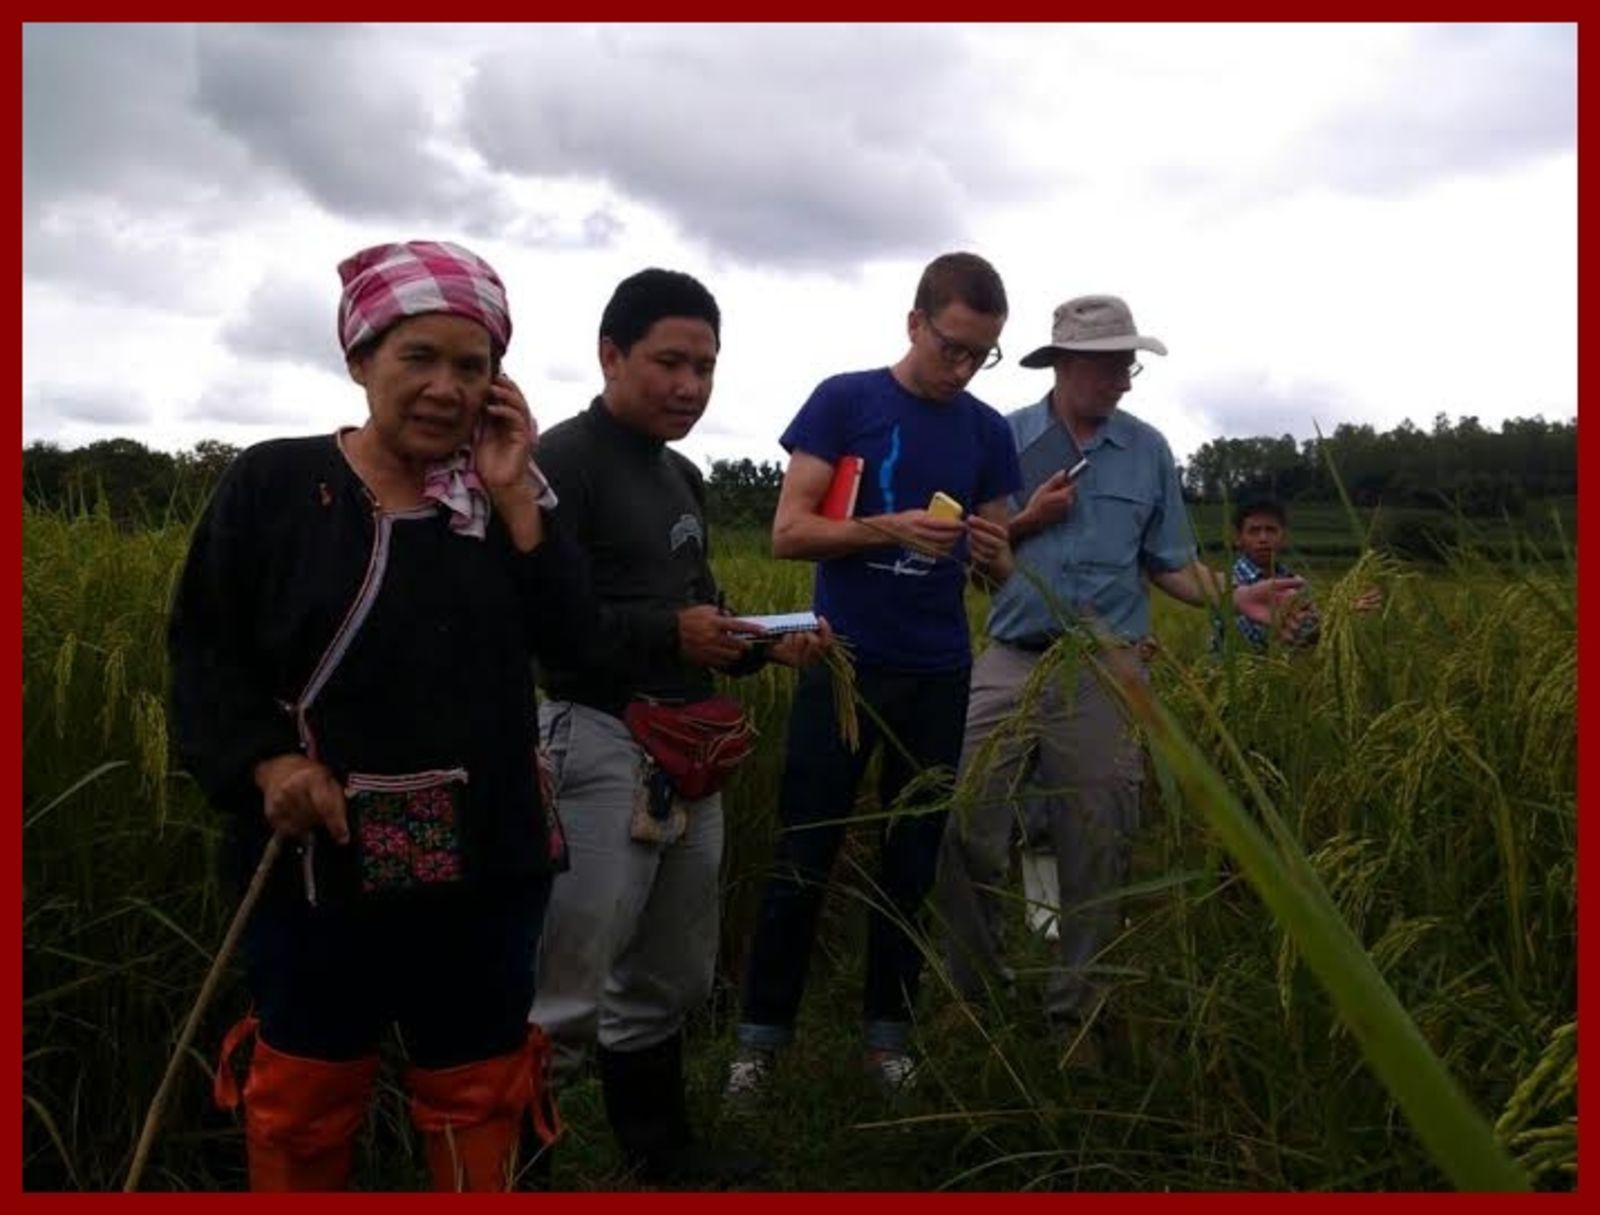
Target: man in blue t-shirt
(890, 579)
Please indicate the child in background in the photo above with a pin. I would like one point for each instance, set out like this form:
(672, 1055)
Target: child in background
(1261, 530)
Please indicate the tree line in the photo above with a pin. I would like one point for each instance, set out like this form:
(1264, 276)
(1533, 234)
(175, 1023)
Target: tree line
(1462, 466)
(134, 483)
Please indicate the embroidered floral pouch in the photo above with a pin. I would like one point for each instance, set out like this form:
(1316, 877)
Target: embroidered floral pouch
(406, 828)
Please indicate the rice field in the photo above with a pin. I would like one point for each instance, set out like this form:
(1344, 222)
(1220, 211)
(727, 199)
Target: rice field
(1350, 935)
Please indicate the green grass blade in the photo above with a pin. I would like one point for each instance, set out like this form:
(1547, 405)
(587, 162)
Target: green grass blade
(87, 779)
(1457, 1136)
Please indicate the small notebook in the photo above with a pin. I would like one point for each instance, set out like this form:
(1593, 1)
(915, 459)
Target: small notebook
(789, 622)
(1052, 452)
(840, 500)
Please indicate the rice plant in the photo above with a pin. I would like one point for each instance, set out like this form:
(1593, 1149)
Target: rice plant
(1421, 760)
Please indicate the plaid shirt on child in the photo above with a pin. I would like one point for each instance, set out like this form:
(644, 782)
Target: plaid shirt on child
(1306, 627)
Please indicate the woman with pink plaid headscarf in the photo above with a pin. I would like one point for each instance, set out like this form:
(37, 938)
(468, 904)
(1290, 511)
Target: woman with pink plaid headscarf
(444, 438)
(352, 646)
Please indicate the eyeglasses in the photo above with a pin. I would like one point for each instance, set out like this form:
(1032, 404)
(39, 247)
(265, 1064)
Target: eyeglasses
(1110, 364)
(955, 353)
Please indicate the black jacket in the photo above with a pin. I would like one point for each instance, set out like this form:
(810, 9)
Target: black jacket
(439, 675)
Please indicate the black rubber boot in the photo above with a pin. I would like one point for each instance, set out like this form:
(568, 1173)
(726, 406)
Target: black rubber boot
(644, 1095)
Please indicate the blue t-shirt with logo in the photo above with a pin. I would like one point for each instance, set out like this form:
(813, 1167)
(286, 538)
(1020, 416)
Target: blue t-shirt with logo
(901, 610)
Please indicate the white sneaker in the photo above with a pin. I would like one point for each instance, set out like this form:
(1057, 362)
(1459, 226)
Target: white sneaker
(748, 1075)
(894, 1070)
(1041, 887)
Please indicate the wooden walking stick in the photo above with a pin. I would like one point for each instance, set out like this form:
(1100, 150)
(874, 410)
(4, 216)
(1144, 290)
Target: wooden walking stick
(230, 939)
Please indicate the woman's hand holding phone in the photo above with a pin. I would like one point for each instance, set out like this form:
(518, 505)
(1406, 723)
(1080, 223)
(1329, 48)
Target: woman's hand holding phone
(506, 436)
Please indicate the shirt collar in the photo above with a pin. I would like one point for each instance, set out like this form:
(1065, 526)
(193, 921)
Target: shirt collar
(1116, 430)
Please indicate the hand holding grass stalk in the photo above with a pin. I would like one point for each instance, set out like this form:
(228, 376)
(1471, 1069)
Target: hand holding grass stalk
(918, 530)
(1267, 600)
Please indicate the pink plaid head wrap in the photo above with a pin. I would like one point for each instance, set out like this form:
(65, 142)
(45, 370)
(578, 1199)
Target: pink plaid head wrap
(388, 283)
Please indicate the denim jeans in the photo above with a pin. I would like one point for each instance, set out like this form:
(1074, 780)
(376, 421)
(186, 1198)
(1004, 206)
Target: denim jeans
(924, 714)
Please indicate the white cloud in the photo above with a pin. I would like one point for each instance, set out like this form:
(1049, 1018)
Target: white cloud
(316, 105)
(1346, 223)
(287, 319)
(254, 404)
(59, 405)
(106, 110)
(796, 146)
(1462, 100)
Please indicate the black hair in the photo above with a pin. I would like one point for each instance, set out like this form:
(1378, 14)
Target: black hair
(1260, 504)
(642, 299)
(963, 277)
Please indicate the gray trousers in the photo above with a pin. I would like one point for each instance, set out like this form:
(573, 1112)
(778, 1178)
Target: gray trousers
(630, 937)
(1079, 758)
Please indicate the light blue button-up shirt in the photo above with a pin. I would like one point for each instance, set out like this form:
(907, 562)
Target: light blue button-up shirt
(1129, 518)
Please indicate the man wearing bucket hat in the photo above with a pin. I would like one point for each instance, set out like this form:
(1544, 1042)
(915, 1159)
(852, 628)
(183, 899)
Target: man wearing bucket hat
(1101, 512)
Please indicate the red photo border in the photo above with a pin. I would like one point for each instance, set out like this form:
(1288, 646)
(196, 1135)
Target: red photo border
(829, 10)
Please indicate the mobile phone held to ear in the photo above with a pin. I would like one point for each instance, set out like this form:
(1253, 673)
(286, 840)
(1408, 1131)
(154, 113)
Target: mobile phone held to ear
(1078, 469)
(943, 506)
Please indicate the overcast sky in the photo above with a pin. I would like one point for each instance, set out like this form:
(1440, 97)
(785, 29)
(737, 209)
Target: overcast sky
(1324, 223)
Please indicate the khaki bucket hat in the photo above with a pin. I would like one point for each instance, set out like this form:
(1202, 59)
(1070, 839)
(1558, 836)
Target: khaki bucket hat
(1093, 322)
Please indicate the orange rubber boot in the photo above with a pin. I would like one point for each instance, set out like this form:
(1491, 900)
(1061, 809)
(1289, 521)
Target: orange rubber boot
(470, 1116)
(300, 1115)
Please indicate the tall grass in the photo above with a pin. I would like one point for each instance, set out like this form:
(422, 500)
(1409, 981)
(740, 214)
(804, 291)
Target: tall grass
(1422, 760)
(120, 906)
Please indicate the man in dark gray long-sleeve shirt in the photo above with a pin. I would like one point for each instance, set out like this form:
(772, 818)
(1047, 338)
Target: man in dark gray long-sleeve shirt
(638, 509)
(630, 937)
